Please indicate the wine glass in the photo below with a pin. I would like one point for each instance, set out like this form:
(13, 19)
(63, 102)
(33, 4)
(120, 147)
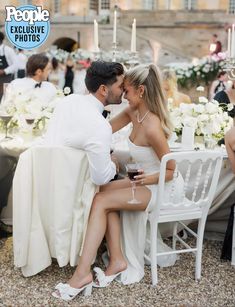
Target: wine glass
(30, 121)
(132, 171)
(6, 119)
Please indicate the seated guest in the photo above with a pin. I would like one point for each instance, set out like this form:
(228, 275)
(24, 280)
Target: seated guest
(148, 113)
(227, 96)
(219, 84)
(78, 122)
(38, 68)
(171, 89)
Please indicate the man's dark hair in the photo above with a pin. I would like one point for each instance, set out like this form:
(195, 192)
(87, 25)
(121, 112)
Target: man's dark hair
(221, 73)
(102, 73)
(36, 61)
(2, 36)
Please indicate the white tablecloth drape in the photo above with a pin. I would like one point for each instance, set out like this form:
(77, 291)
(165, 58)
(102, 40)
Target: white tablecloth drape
(52, 195)
(224, 197)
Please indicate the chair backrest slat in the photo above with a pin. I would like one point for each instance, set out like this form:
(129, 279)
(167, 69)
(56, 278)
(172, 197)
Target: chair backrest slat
(208, 173)
(194, 181)
(173, 186)
(197, 180)
(186, 181)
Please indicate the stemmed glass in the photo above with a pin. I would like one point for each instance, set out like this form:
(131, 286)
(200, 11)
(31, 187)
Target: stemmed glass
(132, 171)
(6, 119)
(30, 121)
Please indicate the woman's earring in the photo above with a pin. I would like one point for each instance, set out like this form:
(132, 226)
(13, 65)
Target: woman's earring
(141, 96)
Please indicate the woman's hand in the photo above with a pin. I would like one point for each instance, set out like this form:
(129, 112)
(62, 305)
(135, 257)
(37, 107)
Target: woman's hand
(141, 178)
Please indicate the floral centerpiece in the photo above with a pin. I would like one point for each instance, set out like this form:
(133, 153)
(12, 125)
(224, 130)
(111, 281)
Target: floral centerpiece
(208, 119)
(202, 71)
(25, 107)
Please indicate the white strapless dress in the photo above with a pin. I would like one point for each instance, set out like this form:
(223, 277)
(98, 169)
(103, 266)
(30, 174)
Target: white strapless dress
(134, 224)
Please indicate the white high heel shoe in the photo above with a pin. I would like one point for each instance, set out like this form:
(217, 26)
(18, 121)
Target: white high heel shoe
(103, 280)
(67, 293)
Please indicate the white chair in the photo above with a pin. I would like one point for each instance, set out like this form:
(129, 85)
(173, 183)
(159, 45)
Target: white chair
(200, 172)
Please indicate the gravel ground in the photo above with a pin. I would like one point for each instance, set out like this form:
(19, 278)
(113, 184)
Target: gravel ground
(176, 286)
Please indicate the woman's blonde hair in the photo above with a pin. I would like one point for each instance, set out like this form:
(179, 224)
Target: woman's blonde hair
(149, 77)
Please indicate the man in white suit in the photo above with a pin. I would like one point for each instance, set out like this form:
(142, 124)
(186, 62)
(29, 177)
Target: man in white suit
(78, 122)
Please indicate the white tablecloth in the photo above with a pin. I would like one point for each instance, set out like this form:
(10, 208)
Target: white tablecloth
(224, 198)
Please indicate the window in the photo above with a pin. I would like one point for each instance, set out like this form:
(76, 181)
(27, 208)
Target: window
(190, 4)
(105, 4)
(94, 5)
(231, 7)
(25, 2)
(57, 6)
(148, 4)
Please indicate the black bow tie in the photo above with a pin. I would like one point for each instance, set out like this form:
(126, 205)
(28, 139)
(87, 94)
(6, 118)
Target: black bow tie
(38, 84)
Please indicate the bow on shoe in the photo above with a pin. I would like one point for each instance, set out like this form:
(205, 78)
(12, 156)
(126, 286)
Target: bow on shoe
(67, 293)
(103, 280)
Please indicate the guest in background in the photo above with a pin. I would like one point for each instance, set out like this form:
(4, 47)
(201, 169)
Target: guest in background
(230, 147)
(215, 46)
(219, 84)
(79, 86)
(56, 74)
(227, 96)
(69, 74)
(21, 63)
(171, 89)
(8, 64)
(38, 68)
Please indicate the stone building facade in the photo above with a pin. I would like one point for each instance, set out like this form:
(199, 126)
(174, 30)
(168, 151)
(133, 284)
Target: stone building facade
(167, 30)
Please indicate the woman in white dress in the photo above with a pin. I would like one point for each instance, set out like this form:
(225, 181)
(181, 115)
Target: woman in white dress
(148, 113)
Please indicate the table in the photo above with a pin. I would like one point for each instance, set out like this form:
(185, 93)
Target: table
(218, 213)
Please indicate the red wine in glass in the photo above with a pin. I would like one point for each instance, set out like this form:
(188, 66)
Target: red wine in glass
(132, 171)
(29, 121)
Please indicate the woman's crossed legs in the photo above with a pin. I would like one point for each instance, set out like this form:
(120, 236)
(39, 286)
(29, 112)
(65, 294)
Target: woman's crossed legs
(104, 221)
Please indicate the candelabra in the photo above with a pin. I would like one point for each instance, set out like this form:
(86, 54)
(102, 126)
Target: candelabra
(230, 67)
(114, 51)
(134, 59)
(97, 54)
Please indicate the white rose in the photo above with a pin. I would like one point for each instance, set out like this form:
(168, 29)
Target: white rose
(199, 108)
(200, 89)
(230, 106)
(202, 99)
(203, 117)
(67, 90)
(211, 108)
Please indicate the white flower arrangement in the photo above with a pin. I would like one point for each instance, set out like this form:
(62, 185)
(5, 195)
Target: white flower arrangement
(24, 105)
(207, 119)
(202, 70)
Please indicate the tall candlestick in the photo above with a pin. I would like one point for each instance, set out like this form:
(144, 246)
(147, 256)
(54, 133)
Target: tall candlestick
(229, 43)
(96, 39)
(233, 42)
(133, 36)
(189, 5)
(115, 27)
